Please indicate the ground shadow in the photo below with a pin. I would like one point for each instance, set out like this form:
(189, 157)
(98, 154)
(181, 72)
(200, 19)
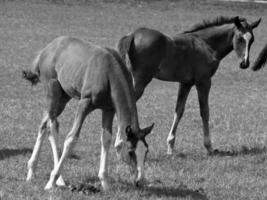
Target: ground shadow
(242, 151)
(181, 191)
(91, 185)
(169, 158)
(239, 152)
(159, 190)
(88, 186)
(6, 153)
(72, 155)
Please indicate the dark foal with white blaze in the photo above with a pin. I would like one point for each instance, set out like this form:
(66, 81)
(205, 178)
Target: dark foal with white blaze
(97, 77)
(190, 58)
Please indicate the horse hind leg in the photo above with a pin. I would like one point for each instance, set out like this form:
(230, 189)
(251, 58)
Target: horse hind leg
(183, 92)
(85, 107)
(140, 81)
(57, 102)
(53, 139)
(32, 163)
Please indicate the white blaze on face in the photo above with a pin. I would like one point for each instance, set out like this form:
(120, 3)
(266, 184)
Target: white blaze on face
(140, 152)
(247, 37)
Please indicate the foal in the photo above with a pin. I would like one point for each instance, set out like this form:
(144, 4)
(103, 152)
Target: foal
(190, 58)
(71, 68)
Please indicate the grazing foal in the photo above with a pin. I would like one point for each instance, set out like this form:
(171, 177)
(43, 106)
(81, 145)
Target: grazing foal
(190, 58)
(71, 68)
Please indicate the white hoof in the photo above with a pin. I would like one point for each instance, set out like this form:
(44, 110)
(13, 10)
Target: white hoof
(30, 175)
(169, 151)
(48, 186)
(60, 181)
(105, 185)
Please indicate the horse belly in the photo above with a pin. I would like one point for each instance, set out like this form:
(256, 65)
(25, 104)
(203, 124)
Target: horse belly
(169, 71)
(71, 79)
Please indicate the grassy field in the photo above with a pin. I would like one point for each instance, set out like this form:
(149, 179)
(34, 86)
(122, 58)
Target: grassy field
(237, 102)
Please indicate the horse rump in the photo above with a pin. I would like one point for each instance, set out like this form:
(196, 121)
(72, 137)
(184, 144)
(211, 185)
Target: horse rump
(123, 48)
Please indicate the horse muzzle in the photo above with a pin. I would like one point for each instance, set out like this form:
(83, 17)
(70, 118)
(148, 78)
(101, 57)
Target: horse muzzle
(244, 64)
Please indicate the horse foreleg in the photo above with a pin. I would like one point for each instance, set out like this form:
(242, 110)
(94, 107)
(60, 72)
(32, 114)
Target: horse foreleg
(83, 109)
(183, 92)
(107, 119)
(32, 163)
(203, 90)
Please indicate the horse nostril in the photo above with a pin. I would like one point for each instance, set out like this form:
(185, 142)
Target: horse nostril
(244, 64)
(247, 63)
(137, 184)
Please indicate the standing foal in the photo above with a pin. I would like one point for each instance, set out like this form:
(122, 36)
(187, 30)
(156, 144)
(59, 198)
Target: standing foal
(190, 58)
(71, 68)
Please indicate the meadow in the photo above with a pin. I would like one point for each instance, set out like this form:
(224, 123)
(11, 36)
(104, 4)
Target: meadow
(238, 107)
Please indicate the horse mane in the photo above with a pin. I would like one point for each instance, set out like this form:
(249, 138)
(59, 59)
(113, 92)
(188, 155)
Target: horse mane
(207, 23)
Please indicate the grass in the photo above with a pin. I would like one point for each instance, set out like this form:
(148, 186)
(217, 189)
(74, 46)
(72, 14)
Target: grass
(237, 102)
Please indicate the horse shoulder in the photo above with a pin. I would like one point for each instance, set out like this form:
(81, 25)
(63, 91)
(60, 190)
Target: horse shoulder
(205, 62)
(96, 79)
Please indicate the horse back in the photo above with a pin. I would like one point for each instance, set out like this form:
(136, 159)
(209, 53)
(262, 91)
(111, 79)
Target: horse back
(78, 66)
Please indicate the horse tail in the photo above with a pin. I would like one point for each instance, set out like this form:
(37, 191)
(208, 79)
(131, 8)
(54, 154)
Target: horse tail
(261, 60)
(32, 75)
(123, 47)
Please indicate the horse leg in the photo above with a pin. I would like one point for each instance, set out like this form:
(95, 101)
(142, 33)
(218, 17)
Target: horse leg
(183, 92)
(32, 163)
(140, 81)
(107, 119)
(58, 101)
(53, 138)
(83, 109)
(203, 90)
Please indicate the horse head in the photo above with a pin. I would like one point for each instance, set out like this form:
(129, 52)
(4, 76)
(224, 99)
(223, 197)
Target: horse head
(243, 39)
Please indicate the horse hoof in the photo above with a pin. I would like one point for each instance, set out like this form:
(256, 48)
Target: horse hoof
(105, 184)
(106, 187)
(140, 183)
(212, 152)
(30, 176)
(169, 151)
(48, 186)
(60, 182)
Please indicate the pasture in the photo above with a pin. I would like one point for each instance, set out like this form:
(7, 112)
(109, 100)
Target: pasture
(238, 107)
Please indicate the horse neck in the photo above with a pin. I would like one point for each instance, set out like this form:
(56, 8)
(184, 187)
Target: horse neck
(124, 102)
(219, 39)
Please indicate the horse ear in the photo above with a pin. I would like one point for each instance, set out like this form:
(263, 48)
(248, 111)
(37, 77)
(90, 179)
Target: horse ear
(255, 24)
(147, 130)
(237, 22)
